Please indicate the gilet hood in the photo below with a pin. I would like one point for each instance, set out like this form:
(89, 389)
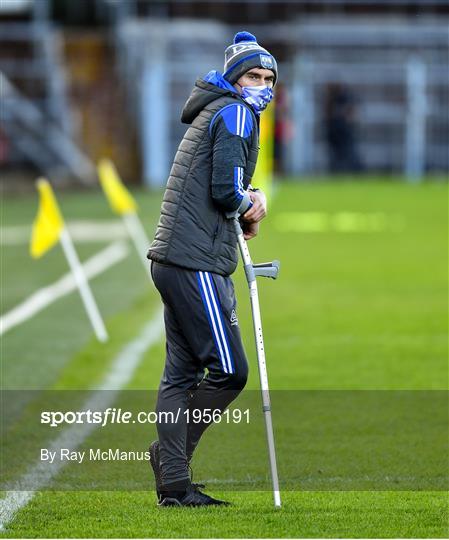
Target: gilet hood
(206, 90)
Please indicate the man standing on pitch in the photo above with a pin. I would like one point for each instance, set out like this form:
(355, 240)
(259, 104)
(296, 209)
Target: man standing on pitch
(194, 252)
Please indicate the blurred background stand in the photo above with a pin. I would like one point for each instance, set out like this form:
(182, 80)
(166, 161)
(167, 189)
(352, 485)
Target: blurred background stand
(37, 119)
(397, 74)
(41, 139)
(112, 76)
(161, 60)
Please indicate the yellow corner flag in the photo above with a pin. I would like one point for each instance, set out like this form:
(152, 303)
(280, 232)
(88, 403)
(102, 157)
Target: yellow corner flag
(263, 175)
(48, 224)
(118, 196)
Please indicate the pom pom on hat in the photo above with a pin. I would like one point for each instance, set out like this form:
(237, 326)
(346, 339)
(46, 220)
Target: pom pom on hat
(244, 36)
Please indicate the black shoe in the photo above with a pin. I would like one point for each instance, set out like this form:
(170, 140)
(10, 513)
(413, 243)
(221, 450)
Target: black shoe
(191, 497)
(154, 462)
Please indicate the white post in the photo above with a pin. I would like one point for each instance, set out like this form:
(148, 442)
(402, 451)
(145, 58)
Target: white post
(83, 286)
(155, 117)
(301, 146)
(139, 238)
(415, 125)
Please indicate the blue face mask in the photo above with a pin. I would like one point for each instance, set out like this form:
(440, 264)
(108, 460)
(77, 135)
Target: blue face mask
(257, 96)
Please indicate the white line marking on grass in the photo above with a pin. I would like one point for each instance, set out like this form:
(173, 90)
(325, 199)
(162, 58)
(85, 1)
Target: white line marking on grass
(340, 222)
(80, 231)
(119, 375)
(42, 298)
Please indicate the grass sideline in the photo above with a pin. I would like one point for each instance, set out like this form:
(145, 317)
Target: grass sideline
(350, 311)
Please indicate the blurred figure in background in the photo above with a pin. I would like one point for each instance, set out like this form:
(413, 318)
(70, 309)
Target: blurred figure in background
(341, 129)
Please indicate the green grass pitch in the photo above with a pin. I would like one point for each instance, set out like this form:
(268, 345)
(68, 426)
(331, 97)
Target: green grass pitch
(361, 304)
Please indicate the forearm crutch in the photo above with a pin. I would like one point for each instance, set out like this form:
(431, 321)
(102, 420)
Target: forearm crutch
(271, 270)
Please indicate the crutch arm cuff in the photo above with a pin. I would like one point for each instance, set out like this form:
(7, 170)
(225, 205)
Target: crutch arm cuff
(245, 204)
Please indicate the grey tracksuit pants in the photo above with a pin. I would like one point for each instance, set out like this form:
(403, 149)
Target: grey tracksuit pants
(202, 333)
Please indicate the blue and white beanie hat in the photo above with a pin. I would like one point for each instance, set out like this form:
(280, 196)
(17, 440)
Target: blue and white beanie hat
(244, 54)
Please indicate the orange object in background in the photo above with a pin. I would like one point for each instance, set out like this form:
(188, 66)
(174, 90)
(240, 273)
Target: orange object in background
(98, 101)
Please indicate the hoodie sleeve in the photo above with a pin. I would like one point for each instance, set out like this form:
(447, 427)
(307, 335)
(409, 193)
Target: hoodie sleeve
(230, 130)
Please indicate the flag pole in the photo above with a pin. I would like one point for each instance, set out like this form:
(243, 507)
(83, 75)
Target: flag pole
(138, 236)
(83, 286)
(123, 204)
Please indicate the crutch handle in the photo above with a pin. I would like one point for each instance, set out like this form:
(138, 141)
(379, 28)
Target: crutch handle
(269, 269)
